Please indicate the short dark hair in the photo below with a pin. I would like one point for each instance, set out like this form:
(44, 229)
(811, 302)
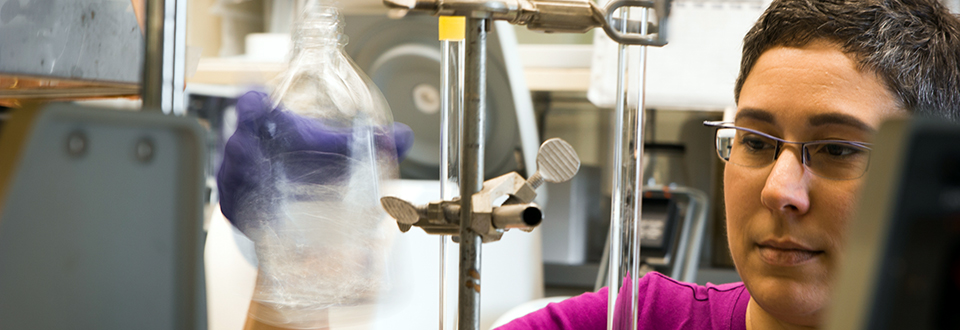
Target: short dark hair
(913, 45)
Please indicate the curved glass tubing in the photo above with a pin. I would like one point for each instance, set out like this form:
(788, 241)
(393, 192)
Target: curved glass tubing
(830, 159)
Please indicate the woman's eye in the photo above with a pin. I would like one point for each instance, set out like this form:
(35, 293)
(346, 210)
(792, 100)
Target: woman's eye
(756, 143)
(838, 150)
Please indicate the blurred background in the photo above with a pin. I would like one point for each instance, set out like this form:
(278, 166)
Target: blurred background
(91, 53)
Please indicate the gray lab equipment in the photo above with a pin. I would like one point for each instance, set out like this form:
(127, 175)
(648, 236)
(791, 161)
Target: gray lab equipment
(101, 223)
(901, 268)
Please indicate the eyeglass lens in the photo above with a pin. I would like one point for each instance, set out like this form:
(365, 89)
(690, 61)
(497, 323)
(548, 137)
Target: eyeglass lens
(833, 160)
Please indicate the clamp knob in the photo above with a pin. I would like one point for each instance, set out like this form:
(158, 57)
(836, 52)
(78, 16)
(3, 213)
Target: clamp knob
(403, 211)
(556, 162)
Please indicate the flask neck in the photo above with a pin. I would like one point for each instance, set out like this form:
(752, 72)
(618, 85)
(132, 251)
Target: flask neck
(320, 28)
(316, 39)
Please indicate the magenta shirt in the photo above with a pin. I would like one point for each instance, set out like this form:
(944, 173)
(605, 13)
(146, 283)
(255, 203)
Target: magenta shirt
(664, 304)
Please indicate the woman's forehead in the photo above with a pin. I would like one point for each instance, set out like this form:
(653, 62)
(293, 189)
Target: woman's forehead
(815, 84)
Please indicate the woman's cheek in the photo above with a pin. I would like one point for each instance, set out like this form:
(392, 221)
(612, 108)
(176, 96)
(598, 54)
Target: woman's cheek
(741, 198)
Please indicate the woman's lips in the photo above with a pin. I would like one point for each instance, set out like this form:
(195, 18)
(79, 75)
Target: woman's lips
(786, 253)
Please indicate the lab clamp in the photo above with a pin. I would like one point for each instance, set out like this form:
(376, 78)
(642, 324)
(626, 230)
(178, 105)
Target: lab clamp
(556, 160)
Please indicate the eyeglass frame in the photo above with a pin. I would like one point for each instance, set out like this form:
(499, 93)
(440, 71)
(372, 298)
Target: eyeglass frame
(804, 157)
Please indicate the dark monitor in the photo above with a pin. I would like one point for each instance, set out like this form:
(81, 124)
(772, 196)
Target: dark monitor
(902, 264)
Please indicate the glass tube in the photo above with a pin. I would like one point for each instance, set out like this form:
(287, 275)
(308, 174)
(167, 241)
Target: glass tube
(451, 102)
(624, 244)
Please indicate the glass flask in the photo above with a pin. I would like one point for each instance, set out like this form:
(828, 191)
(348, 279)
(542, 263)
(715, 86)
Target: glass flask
(322, 239)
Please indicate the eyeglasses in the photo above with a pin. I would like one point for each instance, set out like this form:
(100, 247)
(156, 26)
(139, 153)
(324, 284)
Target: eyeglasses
(831, 159)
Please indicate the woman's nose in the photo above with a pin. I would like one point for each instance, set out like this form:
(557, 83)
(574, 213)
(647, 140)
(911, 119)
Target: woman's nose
(787, 188)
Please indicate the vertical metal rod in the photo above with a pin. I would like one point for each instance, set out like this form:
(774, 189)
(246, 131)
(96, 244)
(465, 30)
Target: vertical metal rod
(471, 169)
(152, 81)
(169, 49)
(177, 61)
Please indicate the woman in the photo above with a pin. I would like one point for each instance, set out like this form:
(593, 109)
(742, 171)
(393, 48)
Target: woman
(825, 74)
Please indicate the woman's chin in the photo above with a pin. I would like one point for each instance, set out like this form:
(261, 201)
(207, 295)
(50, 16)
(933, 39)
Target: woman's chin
(800, 303)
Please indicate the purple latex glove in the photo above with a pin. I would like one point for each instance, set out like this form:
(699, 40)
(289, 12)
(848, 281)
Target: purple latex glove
(307, 150)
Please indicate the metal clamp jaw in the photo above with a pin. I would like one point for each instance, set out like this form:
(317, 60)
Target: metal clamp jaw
(573, 16)
(556, 162)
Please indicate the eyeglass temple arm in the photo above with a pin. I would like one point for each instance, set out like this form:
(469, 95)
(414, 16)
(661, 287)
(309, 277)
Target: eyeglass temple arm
(717, 124)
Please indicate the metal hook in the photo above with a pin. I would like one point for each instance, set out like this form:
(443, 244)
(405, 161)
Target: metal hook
(656, 36)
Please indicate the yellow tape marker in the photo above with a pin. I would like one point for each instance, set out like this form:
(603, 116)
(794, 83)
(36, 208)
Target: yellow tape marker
(452, 27)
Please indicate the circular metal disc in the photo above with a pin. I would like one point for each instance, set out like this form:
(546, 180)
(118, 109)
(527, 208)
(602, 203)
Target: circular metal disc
(557, 161)
(399, 209)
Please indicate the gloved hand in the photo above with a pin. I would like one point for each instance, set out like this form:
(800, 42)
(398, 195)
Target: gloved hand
(305, 192)
(307, 150)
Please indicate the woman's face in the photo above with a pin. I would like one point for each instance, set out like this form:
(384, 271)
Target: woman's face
(785, 224)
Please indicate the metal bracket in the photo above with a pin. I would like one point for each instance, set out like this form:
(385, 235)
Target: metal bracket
(657, 34)
(571, 16)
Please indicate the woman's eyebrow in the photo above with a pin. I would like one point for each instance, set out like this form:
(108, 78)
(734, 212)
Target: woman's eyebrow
(840, 119)
(756, 114)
